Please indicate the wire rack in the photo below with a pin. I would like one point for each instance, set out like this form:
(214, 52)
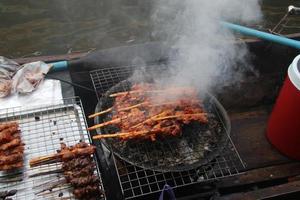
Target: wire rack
(43, 128)
(136, 181)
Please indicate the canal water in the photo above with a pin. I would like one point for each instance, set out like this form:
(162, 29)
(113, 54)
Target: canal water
(31, 27)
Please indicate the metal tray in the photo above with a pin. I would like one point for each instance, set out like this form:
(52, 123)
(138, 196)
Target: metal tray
(43, 128)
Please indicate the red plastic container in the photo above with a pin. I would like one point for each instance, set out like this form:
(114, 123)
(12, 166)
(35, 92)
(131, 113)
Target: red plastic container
(283, 129)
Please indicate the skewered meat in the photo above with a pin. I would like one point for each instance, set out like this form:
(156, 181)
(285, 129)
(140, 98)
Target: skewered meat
(75, 163)
(12, 151)
(13, 143)
(10, 159)
(8, 134)
(11, 146)
(11, 166)
(7, 125)
(84, 180)
(88, 169)
(147, 112)
(86, 192)
(78, 167)
(73, 153)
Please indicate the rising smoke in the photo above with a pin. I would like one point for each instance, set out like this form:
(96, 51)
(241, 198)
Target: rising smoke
(206, 52)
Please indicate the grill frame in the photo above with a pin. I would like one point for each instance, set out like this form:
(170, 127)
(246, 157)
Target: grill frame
(47, 124)
(135, 181)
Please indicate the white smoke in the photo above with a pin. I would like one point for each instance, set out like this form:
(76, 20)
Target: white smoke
(206, 52)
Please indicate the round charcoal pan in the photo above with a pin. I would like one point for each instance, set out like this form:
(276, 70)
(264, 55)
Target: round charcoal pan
(197, 146)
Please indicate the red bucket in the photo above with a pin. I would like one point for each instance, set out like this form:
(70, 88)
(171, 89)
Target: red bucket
(283, 129)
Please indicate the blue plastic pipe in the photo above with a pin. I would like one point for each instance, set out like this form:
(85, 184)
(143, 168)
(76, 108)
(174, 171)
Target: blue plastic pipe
(262, 35)
(59, 66)
(63, 65)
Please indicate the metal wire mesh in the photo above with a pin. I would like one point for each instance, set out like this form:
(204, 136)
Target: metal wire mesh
(136, 181)
(43, 128)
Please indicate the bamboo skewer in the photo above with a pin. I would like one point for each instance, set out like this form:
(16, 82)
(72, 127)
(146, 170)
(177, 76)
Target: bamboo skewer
(151, 131)
(182, 115)
(149, 119)
(46, 173)
(96, 137)
(43, 159)
(155, 118)
(125, 93)
(114, 121)
(122, 109)
(52, 186)
(172, 90)
(131, 107)
(101, 113)
(134, 106)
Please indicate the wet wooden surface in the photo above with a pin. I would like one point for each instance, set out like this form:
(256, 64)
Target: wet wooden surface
(54, 58)
(268, 173)
(283, 191)
(249, 136)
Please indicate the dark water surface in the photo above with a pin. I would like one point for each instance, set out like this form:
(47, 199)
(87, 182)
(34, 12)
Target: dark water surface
(31, 27)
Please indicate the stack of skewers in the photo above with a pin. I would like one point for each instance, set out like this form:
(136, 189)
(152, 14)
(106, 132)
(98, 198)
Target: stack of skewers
(11, 147)
(146, 112)
(78, 168)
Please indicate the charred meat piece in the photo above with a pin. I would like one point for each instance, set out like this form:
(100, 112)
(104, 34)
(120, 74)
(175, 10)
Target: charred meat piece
(84, 180)
(11, 159)
(6, 125)
(11, 144)
(12, 151)
(8, 134)
(68, 154)
(87, 192)
(7, 167)
(87, 170)
(76, 163)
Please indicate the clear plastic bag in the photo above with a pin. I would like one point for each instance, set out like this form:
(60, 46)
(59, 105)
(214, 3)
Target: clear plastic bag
(7, 70)
(29, 77)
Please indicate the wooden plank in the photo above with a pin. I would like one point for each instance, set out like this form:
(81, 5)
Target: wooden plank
(269, 192)
(52, 58)
(285, 171)
(249, 136)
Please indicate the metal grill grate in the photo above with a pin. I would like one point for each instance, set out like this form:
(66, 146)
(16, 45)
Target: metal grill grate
(43, 128)
(136, 181)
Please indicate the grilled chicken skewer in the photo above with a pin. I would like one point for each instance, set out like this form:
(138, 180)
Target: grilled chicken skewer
(198, 116)
(148, 113)
(135, 106)
(78, 168)
(74, 152)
